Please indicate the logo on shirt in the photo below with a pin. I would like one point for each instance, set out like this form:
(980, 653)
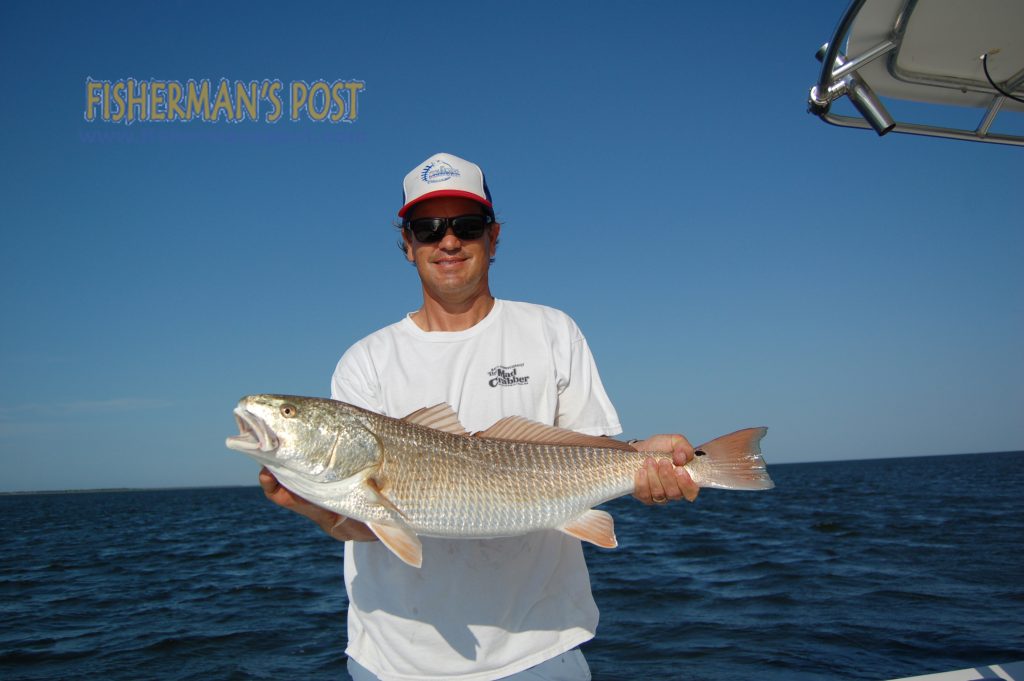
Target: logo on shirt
(502, 376)
(438, 171)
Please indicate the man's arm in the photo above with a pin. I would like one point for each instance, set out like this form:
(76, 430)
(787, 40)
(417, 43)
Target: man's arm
(583, 400)
(337, 526)
(658, 482)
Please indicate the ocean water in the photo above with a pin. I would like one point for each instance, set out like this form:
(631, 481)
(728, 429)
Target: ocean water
(847, 570)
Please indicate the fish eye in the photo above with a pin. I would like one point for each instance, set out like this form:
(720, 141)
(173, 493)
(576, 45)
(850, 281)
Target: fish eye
(288, 411)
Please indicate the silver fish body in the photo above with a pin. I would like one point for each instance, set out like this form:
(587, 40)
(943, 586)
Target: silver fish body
(425, 475)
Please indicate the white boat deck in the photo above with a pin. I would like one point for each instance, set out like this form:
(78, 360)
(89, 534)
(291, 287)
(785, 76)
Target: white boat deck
(1012, 671)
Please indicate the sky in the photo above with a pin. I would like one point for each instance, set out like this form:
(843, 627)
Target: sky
(732, 260)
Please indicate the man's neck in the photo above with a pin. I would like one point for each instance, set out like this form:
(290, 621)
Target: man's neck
(436, 315)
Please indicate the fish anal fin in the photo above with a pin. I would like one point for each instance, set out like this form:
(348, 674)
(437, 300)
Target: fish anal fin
(439, 417)
(596, 527)
(523, 429)
(401, 541)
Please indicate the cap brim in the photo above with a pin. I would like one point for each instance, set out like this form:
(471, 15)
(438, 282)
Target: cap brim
(446, 192)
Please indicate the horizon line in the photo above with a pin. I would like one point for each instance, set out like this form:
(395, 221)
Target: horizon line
(95, 490)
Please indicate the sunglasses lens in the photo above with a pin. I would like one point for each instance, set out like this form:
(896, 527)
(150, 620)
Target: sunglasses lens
(469, 226)
(432, 230)
(428, 230)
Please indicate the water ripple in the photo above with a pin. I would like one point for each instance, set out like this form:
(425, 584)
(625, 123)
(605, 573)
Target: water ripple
(850, 570)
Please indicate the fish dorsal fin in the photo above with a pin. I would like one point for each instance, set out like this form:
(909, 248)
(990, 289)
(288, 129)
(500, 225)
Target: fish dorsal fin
(524, 430)
(439, 417)
(401, 541)
(596, 527)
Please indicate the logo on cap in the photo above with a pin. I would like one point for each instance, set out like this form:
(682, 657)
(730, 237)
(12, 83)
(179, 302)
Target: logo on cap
(438, 171)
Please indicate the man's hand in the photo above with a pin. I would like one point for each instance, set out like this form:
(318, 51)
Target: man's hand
(337, 526)
(657, 482)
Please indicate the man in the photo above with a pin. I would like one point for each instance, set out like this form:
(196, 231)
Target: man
(513, 607)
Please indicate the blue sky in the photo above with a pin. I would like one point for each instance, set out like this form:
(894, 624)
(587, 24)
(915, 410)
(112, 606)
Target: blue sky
(732, 260)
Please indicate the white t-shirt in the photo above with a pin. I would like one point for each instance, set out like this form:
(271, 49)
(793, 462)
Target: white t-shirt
(478, 608)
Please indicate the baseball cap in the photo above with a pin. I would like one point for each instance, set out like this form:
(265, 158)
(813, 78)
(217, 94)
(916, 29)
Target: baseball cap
(445, 175)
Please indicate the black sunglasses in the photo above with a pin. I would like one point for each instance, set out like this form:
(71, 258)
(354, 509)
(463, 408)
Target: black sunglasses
(432, 230)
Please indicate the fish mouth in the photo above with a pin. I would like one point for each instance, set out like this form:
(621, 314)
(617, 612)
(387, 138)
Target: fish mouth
(253, 434)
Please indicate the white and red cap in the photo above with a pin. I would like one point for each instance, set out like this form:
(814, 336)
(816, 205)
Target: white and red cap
(445, 175)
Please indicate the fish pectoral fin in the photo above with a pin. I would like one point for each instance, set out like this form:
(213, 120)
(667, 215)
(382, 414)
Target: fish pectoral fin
(401, 540)
(439, 417)
(596, 527)
(395, 534)
(377, 495)
(525, 430)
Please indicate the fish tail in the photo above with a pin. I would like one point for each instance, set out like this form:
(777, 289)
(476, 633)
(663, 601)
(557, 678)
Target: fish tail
(732, 462)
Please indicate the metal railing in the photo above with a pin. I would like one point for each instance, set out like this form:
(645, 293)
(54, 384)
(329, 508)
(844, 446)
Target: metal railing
(839, 77)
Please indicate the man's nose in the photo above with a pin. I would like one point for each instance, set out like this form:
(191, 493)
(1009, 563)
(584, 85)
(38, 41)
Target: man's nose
(449, 241)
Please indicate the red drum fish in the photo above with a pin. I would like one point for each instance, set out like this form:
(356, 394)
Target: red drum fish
(425, 475)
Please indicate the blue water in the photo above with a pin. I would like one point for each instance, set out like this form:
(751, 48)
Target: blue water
(847, 570)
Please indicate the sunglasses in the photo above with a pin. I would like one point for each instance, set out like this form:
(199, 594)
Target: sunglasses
(432, 230)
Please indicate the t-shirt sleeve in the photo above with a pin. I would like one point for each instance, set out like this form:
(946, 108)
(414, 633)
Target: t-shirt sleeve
(355, 380)
(583, 404)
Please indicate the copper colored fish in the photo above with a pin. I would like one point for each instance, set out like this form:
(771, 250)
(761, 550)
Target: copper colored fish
(425, 475)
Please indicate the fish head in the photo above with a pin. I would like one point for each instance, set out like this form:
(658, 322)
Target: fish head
(318, 439)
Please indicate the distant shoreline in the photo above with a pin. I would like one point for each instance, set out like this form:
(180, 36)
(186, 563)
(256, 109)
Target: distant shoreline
(103, 490)
(773, 465)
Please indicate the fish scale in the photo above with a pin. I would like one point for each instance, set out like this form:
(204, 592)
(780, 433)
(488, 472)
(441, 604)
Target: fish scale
(482, 488)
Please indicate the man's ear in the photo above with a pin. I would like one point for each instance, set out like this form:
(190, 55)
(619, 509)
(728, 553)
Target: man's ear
(407, 238)
(495, 231)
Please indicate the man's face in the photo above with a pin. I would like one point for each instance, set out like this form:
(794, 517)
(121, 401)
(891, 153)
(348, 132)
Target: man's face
(452, 269)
